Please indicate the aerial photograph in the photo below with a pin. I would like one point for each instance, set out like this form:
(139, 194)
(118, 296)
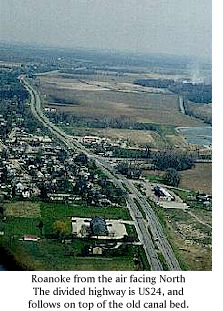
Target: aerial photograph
(105, 135)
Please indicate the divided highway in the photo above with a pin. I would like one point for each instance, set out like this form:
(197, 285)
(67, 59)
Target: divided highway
(149, 231)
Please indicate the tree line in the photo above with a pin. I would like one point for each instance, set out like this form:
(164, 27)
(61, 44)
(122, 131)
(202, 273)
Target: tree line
(195, 92)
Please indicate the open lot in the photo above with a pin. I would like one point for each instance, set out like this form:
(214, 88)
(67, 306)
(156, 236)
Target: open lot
(191, 240)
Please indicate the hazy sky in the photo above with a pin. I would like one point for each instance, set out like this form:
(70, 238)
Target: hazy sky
(180, 27)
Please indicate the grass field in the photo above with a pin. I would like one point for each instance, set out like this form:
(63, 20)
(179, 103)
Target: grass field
(51, 255)
(21, 221)
(23, 209)
(51, 210)
(19, 226)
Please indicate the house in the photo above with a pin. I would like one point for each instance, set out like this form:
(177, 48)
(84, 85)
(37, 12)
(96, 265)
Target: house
(91, 140)
(26, 194)
(160, 192)
(97, 250)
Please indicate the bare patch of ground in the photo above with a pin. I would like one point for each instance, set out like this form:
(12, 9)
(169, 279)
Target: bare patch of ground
(191, 239)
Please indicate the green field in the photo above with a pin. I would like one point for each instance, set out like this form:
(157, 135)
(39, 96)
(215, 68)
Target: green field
(53, 210)
(48, 213)
(50, 253)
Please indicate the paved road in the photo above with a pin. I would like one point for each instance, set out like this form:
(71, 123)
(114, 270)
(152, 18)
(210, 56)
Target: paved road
(150, 239)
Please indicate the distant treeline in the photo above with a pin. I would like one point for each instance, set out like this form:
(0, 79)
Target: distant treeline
(197, 93)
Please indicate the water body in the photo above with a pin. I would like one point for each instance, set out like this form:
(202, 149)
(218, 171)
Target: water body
(197, 135)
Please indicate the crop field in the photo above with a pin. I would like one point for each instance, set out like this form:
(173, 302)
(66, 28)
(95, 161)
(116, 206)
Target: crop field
(198, 178)
(96, 99)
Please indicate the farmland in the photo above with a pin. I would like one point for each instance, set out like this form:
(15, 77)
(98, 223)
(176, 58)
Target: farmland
(198, 178)
(112, 106)
(96, 100)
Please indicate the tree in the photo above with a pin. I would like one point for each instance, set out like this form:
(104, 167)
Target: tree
(61, 229)
(170, 159)
(1, 211)
(82, 158)
(43, 192)
(172, 177)
(40, 226)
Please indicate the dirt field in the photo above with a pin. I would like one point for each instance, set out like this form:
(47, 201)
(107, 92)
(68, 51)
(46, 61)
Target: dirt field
(198, 178)
(95, 99)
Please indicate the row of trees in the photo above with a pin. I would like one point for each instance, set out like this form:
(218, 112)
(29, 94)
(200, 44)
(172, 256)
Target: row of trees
(169, 159)
(120, 122)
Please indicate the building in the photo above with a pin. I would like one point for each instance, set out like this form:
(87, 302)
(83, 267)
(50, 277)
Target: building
(98, 226)
(91, 140)
(163, 194)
